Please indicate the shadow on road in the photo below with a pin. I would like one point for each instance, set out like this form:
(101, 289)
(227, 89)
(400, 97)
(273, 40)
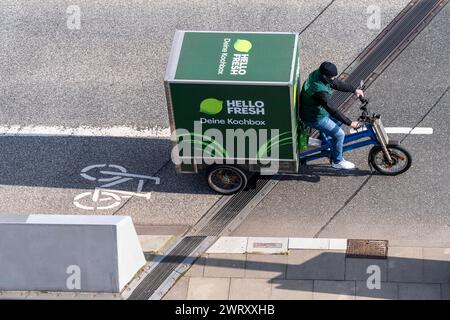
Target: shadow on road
(57, 162)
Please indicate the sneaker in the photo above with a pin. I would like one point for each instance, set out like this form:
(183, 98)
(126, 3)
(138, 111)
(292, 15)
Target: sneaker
(344, 164)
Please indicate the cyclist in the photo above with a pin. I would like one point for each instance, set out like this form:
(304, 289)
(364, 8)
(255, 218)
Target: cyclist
(317, 112)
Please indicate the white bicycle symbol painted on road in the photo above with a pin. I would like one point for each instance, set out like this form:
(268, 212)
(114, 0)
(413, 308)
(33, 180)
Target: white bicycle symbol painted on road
(104, 198)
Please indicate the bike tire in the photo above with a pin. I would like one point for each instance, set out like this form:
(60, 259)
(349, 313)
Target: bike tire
(232, 172)
(375, 151)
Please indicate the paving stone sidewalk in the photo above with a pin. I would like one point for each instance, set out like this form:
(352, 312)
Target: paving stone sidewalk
(407, 273)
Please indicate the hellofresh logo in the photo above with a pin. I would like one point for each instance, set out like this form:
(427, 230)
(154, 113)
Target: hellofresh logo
(239, 57)
(211, 106)
(240, 60)
(242, 45)
(214, 106)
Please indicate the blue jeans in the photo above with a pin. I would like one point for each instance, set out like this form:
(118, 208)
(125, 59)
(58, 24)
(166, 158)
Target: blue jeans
(330, 127)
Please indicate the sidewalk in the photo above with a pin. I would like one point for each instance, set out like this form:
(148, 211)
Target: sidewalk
(321, 272)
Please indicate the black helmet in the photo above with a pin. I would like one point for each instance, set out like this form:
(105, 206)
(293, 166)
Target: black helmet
(328, 69)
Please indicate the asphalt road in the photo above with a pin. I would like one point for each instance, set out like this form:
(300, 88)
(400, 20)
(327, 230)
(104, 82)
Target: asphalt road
(110, 73)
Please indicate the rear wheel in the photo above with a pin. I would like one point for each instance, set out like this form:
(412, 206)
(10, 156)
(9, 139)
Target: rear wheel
(401, 160)
(226, 179)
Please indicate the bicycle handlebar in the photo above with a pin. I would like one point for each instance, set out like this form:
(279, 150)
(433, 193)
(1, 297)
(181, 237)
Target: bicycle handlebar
(365, 112)
(364, 100)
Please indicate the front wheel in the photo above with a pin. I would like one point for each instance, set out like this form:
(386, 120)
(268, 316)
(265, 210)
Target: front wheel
(227, 179)
(401, 160)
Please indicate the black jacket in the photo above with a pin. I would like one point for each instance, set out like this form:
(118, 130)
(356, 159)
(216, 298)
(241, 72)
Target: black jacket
(324, 100)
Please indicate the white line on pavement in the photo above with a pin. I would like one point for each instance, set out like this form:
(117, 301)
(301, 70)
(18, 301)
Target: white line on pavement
(116, 131)
(409, 130)
(130, 132)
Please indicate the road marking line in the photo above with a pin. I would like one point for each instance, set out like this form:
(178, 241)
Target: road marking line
(59, 131)
(403, 130)
(130, 132)
(400, 130)
(338, 244)
(115, 173)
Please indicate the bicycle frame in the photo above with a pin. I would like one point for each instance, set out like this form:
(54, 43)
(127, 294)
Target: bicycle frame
(368, 133)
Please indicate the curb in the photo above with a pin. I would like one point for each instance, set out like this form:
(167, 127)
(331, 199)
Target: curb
(267, 245)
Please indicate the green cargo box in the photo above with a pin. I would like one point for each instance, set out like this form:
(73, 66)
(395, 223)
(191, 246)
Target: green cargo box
(225, 88)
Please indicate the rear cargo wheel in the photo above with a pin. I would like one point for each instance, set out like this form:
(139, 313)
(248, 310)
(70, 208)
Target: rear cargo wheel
(226, 179)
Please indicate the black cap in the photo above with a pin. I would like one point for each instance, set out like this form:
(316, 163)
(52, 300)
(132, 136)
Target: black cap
(328, 69)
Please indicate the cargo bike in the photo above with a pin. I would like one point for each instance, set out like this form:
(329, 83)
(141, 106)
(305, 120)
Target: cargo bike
(232, 101)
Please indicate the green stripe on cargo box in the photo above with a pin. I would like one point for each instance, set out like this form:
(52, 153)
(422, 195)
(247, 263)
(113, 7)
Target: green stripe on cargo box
(216, 56)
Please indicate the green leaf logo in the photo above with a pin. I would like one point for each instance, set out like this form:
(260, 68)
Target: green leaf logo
(242, 45)
(211, 106)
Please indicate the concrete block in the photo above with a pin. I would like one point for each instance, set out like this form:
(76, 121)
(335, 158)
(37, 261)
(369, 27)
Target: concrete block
(338, 244)
(309, 244)
(68, 253)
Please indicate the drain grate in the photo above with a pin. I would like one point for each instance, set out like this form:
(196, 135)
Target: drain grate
(369, 249)
(163, 270)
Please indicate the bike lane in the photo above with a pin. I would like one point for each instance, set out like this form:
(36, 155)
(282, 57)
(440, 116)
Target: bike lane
(44, 174)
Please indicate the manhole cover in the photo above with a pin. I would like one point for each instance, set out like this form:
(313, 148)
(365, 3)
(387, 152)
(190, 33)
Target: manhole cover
(371, 249)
